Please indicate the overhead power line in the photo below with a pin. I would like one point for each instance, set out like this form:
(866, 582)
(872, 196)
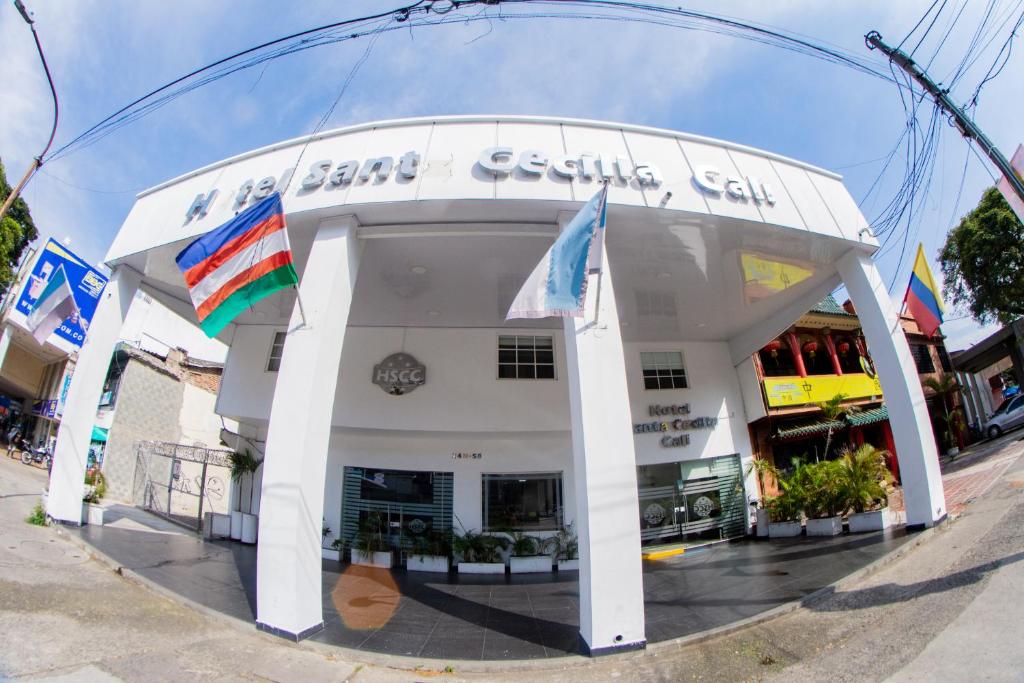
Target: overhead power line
(38, 161)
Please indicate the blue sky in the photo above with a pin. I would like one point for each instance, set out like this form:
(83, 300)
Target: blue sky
(104, 54)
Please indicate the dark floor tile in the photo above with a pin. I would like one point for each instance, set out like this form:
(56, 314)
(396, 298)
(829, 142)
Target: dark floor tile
(504, 647)
(395, 643)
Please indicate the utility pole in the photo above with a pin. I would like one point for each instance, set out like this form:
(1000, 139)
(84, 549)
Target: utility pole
(38, 161)
(966, 127)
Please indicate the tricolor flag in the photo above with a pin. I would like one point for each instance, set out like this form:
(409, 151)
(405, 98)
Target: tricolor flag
(56, 303)
(558, 285)
(923, 298)
(232, 267)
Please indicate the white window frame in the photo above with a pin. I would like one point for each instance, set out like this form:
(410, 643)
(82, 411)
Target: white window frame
(270, 354)
(682, 360)
(498, 363)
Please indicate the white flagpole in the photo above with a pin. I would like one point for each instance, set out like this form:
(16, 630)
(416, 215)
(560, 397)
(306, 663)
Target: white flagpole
(302, 310)
(604, 256)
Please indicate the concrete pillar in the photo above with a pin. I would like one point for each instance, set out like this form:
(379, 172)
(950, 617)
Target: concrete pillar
(288, 599)
(604, 469)
(908, 413)
(67, 475)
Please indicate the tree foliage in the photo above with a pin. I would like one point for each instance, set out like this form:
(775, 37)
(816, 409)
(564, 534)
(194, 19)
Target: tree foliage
(17, 231)
(983, 261)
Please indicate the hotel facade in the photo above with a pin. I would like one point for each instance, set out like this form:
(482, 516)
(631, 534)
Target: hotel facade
(397, 387)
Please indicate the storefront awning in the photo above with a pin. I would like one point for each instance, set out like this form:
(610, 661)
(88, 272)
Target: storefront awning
(806, 429)
(868, 417)
(99, 434)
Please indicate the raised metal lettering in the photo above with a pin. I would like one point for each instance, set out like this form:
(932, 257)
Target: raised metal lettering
(497, 160)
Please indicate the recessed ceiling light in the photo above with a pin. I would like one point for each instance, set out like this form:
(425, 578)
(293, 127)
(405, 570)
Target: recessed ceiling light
(433, 314)
(664, 275)
(419, 270)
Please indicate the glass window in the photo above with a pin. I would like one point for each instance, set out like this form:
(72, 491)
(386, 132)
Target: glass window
(944, 361)
(663, 370)
(526, 357)
(276, 351)
(528, 502)
(397, 486)
(922, 358)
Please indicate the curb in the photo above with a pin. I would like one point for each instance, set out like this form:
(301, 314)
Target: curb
(429, 664)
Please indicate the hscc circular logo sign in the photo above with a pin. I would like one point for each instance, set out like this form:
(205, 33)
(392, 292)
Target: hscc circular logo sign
(399, 374)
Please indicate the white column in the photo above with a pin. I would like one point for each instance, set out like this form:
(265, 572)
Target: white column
(604, 471)
(288, 600)
(67, 475)
(908, 414)
(970, 400)
(983, 391)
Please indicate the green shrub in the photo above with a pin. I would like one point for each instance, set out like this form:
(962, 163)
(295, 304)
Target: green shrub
(37, 516)
(866, 478)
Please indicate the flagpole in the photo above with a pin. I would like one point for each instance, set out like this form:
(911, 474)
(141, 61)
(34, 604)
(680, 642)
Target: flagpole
(298, 300)
(600, 272)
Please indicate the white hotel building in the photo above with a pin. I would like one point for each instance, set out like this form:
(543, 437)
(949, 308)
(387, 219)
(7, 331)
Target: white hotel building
(412, 237)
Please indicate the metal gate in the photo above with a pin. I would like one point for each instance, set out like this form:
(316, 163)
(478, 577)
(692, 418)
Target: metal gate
(181, 483)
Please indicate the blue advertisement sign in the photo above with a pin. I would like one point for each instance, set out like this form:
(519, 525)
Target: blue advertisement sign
(86, 282)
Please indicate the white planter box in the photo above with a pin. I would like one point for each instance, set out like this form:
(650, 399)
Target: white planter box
(829, 526)
(250, 525)
(762, 523)
(236, 525)
(481, 567)
(216, 525)
(330, 554)
(533, 564)
(379, 559)
(876, 520)
(784, 529)
(568, 565)
(92, 514)
(427, 563)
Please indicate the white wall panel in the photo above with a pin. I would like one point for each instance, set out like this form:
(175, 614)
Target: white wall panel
(610, 144)
(392, 142)
(678, 176)
(450, 170)
(808, 202)
(720, 204)
(784, 211)
(520, 185)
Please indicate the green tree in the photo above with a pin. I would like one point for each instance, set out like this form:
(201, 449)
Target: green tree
(983, 261)
(17, 231)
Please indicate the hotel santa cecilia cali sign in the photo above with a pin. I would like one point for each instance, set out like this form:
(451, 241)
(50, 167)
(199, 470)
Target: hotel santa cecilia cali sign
(399, 373)
(497, 162)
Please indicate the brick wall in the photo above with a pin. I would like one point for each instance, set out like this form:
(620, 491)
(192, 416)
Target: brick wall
(147, 409)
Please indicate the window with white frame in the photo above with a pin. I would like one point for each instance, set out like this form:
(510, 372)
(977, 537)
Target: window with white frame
(663, 370)
(276, 352)
(526, 357)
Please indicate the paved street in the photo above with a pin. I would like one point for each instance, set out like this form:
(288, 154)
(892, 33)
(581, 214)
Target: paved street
(949, 609)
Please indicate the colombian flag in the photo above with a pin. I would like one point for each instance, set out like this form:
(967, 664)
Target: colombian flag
(923, 299)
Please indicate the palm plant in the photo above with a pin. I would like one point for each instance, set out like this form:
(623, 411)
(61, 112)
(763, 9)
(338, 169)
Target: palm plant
(945, 388)
(825, 490)
(762, 468)
(477, 547)
(789, 504)
(371, 537)
(865, 478)
(564, 545)
(832, 410)
(523, 544)
(433, 543)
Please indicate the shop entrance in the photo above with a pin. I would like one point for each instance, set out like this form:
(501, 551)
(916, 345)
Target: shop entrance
(409, 504)
(691, 500)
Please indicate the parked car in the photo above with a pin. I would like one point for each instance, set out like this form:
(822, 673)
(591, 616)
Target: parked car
(1008, 415)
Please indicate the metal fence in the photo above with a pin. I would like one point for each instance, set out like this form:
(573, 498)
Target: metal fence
(180, 482)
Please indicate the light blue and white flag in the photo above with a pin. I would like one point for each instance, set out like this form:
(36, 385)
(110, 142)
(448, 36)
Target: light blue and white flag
(56, 304)
(557, 287)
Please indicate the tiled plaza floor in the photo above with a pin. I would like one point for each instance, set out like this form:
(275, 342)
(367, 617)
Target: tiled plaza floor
(448, 616)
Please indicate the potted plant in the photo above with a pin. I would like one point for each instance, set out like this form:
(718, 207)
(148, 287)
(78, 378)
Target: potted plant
(527, 554)
(945, 389)
(92, 494)
(430, 552)
(785, 511)
(478, 553)
(825, 497)
(565, 548)
(242, 464)
(866, 480)
(372, 546)
(327, 549)
(762, 468)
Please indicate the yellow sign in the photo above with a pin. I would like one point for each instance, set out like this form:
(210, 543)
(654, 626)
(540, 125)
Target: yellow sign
(764, 277)
(796, 391)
